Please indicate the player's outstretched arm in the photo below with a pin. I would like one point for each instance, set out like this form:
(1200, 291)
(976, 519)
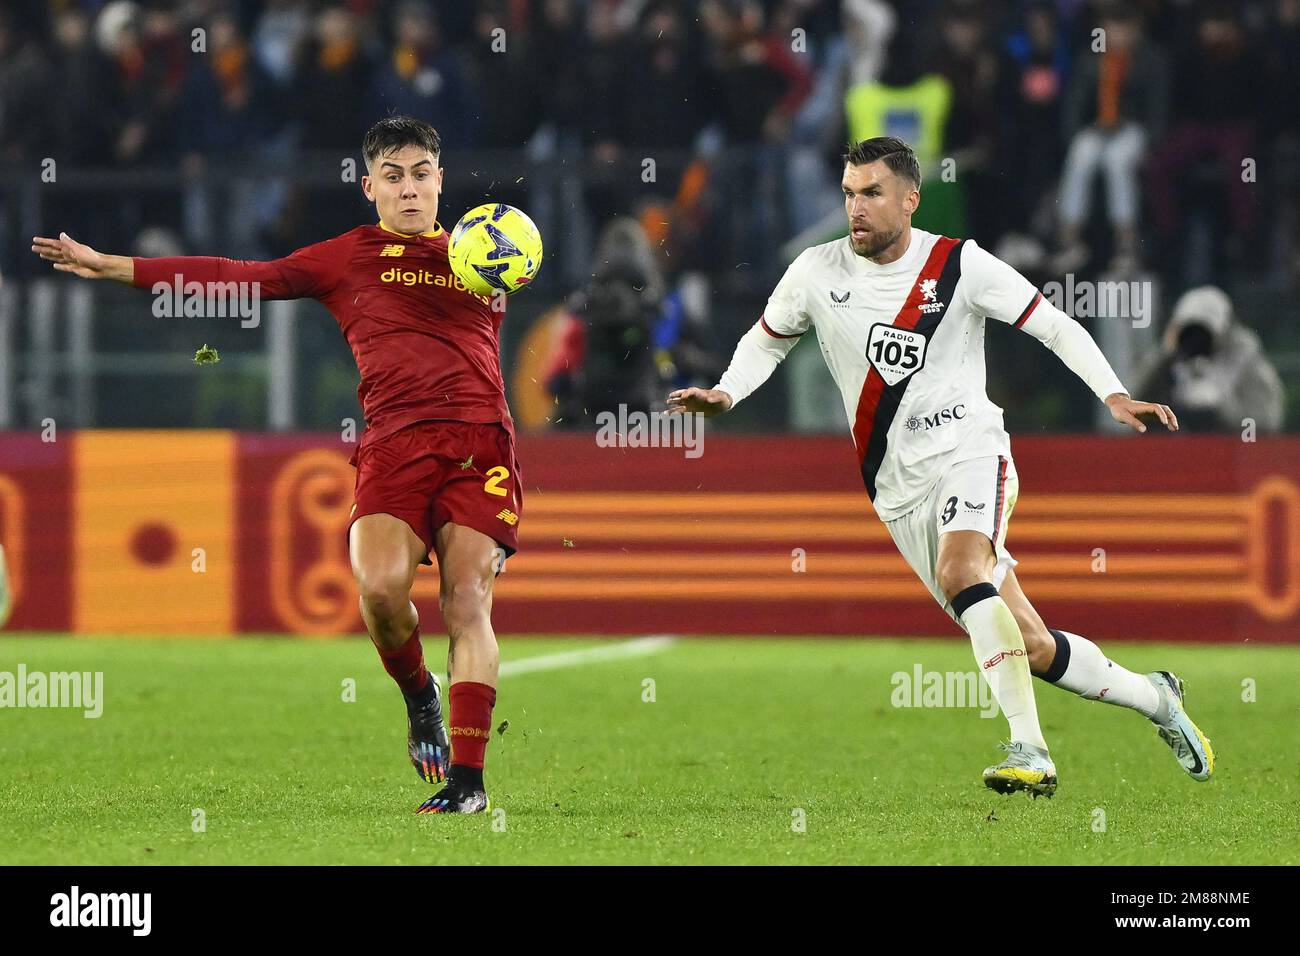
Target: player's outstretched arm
(1077, 349)
(310, 272)
(757, 355)
(68, 255)
(1004, 294)
(706, 401)
(1126, 410)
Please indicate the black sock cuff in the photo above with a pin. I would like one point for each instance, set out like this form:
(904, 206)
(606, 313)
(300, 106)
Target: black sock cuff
(465, 775)
(1060, 662)
(972, 595)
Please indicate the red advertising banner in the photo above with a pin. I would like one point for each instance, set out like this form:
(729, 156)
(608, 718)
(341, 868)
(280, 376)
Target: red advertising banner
(200, 532)
(36, 530)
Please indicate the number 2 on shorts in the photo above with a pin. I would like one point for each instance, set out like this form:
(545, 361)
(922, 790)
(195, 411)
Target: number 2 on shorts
(496, 475)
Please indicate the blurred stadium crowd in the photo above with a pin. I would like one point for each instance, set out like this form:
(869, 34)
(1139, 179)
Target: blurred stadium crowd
(677, 155)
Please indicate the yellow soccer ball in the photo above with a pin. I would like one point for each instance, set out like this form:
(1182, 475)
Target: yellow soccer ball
(494, 248)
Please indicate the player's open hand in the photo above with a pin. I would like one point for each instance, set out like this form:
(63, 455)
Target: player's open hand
(707, 401)
(68, 255)
(1126, 410)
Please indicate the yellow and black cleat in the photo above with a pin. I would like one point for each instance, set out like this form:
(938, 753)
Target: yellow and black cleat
(1026, 767)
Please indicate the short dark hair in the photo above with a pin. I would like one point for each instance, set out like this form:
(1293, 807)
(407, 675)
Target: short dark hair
(898, 156)
(394, 132)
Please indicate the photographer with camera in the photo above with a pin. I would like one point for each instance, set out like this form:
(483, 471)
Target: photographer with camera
(1213, 369)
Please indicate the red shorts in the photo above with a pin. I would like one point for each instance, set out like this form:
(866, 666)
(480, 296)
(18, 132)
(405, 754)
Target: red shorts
(433, 472)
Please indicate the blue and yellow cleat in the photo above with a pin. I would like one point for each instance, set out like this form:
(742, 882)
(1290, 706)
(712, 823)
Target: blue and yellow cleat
(1190, 746)
(426, 734)
(1026, 768)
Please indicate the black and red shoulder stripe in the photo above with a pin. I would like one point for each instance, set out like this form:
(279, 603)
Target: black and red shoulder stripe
(878, 403)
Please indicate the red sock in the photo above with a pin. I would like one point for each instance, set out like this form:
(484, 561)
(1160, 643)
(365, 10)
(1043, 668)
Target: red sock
(405, 664)
(471, 722)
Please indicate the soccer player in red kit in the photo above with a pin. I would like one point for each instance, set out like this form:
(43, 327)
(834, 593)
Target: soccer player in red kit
(436, 468)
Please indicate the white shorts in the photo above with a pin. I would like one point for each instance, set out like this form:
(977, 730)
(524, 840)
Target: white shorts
(975, 495)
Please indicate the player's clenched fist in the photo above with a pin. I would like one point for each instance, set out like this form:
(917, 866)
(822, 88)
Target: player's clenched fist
(707, 401)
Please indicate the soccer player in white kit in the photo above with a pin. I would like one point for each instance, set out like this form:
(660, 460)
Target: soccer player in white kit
(900, 314)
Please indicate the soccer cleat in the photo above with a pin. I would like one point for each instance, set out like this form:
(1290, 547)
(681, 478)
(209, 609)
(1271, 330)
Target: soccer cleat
(458, 796)
(1026, 768)
(426, 734)
(1174, 727)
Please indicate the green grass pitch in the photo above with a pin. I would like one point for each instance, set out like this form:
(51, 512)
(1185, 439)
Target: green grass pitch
(743, 739)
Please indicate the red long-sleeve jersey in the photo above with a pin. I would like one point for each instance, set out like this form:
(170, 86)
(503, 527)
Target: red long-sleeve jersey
(426, 346)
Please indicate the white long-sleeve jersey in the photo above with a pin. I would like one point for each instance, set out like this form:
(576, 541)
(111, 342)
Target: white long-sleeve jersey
(905, 344)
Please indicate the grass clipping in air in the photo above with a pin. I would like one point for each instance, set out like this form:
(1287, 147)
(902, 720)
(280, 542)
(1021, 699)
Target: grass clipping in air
(206, 356)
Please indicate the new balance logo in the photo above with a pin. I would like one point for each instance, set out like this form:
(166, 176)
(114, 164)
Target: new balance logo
(393, 250)
(508, 516)
(1000, 656)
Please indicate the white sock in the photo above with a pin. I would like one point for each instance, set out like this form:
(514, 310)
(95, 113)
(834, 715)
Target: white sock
(1000, 652)
(1081, 667)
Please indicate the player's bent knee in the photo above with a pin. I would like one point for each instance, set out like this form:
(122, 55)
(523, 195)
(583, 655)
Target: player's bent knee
(464, 600)
(957, 575)
(385, 596)
(384, 606)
